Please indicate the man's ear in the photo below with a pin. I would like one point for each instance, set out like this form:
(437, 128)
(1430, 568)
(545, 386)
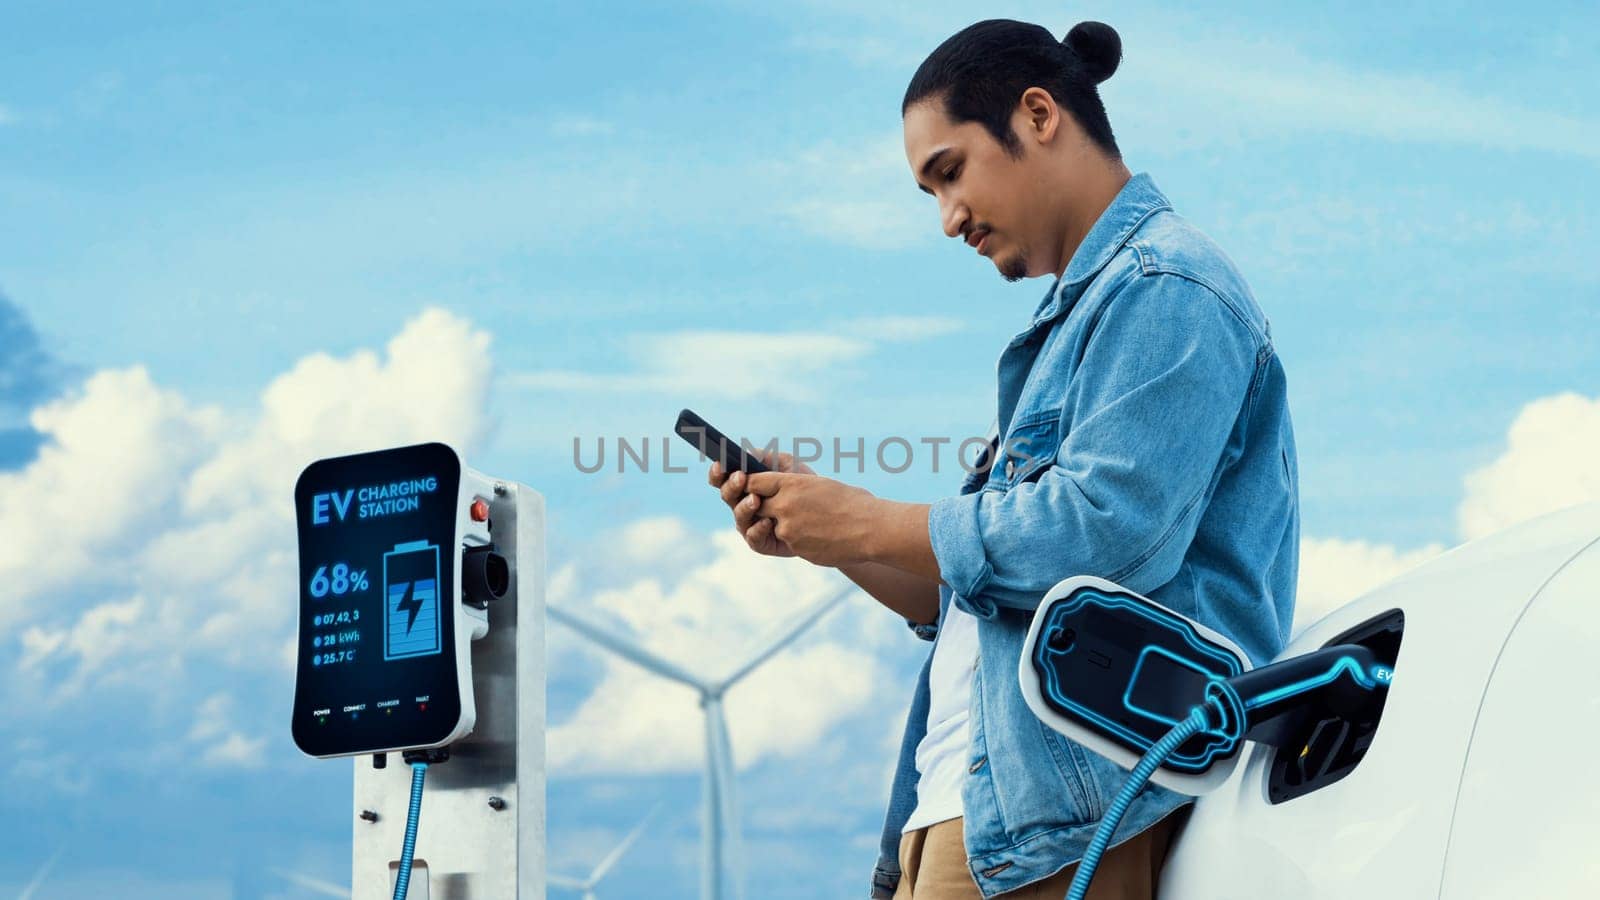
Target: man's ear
(1041, 116)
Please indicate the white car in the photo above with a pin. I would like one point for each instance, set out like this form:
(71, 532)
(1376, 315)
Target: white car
(1478, 779)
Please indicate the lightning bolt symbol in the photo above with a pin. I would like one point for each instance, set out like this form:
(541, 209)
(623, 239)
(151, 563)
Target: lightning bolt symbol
(410, 604)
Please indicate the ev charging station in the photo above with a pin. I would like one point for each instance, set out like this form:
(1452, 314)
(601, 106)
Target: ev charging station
(421, 655)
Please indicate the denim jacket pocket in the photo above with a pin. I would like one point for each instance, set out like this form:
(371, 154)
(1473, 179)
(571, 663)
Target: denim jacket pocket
(1031, 448)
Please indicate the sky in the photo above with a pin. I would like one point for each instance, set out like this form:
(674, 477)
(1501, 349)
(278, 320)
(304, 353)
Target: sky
(236, 240)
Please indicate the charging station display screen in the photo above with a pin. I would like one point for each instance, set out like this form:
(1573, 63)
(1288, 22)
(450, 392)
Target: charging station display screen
(377, 661)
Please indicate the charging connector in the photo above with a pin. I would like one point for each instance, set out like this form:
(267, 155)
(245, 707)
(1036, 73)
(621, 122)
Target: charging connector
(1269, 696)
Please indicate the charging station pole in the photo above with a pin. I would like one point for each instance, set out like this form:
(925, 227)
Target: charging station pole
(482, 834)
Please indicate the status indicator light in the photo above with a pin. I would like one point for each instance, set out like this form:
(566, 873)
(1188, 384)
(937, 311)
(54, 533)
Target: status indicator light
(480, 510)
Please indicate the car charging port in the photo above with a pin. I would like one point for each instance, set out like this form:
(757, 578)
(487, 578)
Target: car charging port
(1326, 740)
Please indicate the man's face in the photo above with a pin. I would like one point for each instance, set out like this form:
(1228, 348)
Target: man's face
(985, 196)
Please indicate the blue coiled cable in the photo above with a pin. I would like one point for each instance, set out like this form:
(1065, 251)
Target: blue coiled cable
(419, 771)
(1188, 728)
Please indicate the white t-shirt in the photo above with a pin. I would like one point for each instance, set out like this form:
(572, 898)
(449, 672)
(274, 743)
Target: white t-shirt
(942, 754)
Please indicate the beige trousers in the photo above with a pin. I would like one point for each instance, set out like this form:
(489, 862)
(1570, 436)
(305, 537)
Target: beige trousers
(933, 866)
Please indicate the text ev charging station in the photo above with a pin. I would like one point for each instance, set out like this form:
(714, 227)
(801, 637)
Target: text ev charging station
(422, 640)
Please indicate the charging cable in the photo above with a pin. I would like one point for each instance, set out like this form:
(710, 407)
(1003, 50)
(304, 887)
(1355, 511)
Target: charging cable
(1196, 722)
(402, 881)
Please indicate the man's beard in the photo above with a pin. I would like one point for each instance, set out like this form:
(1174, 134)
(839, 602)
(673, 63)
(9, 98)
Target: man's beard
(1015, 268)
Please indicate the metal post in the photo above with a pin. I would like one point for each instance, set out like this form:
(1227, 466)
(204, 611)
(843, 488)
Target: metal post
(482, 831)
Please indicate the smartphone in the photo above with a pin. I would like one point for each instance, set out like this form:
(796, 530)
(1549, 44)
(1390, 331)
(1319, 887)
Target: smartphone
(715, 445)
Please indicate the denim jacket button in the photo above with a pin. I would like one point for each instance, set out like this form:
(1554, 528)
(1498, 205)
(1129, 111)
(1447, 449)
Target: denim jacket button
(1011, 468)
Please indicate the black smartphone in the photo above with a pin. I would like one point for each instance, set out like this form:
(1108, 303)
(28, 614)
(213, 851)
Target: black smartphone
(715, 445)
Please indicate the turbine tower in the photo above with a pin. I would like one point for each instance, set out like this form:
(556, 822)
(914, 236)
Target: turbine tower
(720, 814)
(587, 885)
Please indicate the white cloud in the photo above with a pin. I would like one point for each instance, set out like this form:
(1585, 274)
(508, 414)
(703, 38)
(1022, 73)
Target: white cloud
(860, 194)
(710, 621)
(1192, 86)
(182, 514)
(431, 384)
(211, 717)
(651, 542)
(1551, 461)
(111, 465)
(581, 126)
(101, 635)
(699, 363)
(786, 365)
(236, 751)
(865, 50)
(220, 743)
(903, 328)
(1265, 86)
(1333, 572)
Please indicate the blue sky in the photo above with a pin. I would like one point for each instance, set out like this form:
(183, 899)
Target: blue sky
(226, 215)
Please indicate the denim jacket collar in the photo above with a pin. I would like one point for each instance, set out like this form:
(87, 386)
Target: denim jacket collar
(1133, 204)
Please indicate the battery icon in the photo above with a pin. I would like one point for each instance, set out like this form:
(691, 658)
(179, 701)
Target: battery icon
(411, 600)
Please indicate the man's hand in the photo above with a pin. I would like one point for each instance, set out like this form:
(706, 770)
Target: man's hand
(792, 511)
(821, 520)
(757, 531)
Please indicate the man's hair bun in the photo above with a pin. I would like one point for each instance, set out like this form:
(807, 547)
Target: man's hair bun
(1096, 44)
(980, 73)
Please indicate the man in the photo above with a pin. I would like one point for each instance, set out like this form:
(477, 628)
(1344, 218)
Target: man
(1146, 439)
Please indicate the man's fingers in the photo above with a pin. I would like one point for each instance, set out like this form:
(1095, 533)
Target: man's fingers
(780, 462)
(759, 534)
(733, 488)
(745, 511)
(714, 475)
(765, 483)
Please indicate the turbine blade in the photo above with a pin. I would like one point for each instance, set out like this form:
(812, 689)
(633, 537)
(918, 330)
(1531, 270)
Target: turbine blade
(616, 853)
(316, 885)
(807, 619)
(566, 882)
(39, 877)
(624, 647)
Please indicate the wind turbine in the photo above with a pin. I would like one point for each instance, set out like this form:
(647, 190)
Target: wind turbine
(587, 885)
(720, 814)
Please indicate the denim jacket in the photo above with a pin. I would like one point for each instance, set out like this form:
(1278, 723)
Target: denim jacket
(1147, 440)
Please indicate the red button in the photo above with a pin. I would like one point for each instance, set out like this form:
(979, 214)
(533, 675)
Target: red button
(480, 510)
